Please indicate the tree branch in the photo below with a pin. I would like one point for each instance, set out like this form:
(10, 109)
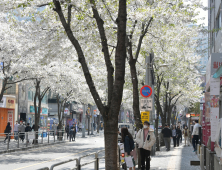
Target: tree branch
(69, 14)
(105, 50)
(81, 58)
(143, 33)
(109, 12)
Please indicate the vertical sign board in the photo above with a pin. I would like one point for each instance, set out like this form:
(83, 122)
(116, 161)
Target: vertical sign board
(214, 106)
(10, 118)
(145, 116)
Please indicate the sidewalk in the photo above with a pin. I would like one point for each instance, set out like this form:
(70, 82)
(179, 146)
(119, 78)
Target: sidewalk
(176, 159)
(13, 145)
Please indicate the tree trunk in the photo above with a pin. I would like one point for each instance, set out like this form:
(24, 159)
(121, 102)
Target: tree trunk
(157, 134)
(136, 109)
(37, 109)
(3, 88)
(110, 135)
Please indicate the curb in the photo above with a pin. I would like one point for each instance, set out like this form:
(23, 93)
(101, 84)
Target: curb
(31, 147)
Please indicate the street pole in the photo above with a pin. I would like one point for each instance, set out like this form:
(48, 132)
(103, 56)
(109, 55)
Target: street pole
(83, 120)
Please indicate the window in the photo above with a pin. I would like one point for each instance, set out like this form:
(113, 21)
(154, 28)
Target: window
(11, 90)
(30, 96)
(218, 21)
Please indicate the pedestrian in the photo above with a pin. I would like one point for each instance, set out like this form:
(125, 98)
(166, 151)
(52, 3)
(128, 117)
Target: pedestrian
(28, 129)
(101, 125)
(195, 135)
(127, 139)
(179, 134)
(67, 131)
(186, 134)
(21, 130)
(167, 134)
(72, 132)
(145, 138)
(80, 127)
(7, 132)
(174, 135)
(16, 130)
(54, 128)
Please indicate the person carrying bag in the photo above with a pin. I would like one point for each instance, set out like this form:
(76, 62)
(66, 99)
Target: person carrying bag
(129, 147)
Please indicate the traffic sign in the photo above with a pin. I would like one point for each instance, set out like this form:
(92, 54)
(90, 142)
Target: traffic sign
(146, 91)
(145, 116)
(146, 104)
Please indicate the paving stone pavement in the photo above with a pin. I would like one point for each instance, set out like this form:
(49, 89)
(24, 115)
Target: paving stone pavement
(176, 159)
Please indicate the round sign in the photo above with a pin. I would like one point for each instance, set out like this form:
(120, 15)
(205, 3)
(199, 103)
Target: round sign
(146, 91)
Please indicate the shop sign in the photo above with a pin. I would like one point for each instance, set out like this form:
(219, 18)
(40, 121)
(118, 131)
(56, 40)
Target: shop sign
(44, 111)
(10, 102)
(66, 111)
(10, 117)
(194, 115)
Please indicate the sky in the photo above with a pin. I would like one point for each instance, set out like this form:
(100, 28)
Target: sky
(203, 14)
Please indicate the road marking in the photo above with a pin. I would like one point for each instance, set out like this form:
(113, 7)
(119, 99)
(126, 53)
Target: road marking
(53, 159)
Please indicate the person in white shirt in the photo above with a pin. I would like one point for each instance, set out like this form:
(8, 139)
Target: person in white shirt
(195, 135)
(16, 130)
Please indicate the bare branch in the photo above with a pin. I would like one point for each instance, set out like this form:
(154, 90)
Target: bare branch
(69, 14)
(143, 33)
(109, 12)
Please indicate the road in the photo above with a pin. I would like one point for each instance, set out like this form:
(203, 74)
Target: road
(47, 156)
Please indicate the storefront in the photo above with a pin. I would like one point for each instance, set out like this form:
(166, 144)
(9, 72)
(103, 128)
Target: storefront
(43, 117)
(7, 112)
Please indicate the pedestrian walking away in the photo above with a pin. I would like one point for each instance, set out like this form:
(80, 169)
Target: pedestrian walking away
(195, 135)
(54, 128)
(21, 130)
(167, 135)
(7, 132)
(28, 129)
(145, 139)
(67, 131)
(16, 130)
(73, 132)
(129, 147)
(179, 134)
(186, 135)
(174, 135)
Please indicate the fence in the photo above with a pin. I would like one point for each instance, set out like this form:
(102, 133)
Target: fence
(78, 165)
(26, 139)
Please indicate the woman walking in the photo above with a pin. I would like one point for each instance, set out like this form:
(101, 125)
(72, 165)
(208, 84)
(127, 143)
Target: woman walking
(7, 131)
(174, 135)
(186, 135)
(179, 134)
(127, 139)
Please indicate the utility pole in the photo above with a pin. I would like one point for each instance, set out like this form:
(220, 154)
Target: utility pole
(83, 120)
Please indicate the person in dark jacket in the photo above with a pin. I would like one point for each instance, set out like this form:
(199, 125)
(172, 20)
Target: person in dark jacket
(127, 139)
(179, 134)
(73, 132)
(167, 135)
(28, 129)
(67, 131)
(7, 131)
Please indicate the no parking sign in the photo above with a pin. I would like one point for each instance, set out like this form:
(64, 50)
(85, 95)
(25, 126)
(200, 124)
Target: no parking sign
(146, 91)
